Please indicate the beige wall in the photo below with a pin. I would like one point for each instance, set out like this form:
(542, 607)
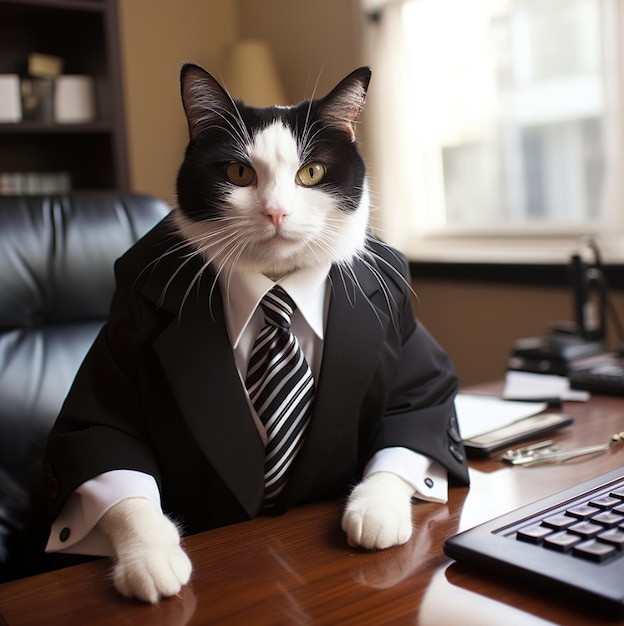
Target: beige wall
(157, 37)
(478, 323)
(312, 41)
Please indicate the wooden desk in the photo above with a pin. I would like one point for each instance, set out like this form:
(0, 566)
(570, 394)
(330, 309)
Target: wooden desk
(298, 569)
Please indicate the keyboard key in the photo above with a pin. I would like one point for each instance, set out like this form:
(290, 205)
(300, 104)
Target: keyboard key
(582, 511)
(614, 537)
(562, 541)
(533, 534)
(559, 522)
(585, 529)
(604, 502)
(608, 519)
(594, 550)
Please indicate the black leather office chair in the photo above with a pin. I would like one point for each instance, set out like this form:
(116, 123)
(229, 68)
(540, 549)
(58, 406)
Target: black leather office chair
(56, 282)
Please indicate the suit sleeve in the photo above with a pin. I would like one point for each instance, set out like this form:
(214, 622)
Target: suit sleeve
(100, 426)
(420, 411)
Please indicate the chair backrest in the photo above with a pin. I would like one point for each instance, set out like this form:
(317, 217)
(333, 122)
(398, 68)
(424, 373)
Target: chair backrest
(56, 282)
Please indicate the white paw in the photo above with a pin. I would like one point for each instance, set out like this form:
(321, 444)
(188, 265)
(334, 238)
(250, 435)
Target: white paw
(150, 563)
(378, 514)
(150, 573)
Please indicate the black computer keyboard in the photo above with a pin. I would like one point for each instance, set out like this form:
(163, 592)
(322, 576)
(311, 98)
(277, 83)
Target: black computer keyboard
(588, 527)
(570, 543)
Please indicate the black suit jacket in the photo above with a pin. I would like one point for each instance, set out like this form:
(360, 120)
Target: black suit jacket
(159, 391)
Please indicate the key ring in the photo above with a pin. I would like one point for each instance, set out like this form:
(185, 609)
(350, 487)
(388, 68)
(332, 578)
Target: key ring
(546, 452)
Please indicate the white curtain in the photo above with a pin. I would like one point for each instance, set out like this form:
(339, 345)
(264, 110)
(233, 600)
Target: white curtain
(387, 115)
(613, 27)
(404, 162)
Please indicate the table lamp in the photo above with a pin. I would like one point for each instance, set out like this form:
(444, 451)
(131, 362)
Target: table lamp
(250, 74)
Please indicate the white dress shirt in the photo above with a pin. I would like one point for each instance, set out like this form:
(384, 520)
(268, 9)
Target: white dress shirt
(241, 293)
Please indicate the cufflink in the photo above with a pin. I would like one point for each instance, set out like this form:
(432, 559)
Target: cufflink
(429, 482)
(64, 534)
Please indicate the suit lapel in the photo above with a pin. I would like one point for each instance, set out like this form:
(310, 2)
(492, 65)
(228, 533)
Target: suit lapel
(197, 358)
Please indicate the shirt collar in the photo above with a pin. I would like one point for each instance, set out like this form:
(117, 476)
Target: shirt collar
(242, 292)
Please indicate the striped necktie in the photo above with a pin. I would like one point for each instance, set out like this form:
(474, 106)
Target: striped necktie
(281, 388)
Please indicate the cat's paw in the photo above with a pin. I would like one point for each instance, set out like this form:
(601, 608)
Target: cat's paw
(150, 563)
(378, 514)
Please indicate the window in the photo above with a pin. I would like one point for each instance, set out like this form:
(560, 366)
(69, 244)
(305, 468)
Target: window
(497, 123)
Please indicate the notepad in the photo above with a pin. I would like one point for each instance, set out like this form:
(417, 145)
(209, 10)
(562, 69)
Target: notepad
(480, 414)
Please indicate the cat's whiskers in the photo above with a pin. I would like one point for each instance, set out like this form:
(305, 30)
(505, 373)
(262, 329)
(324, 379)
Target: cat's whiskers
(229, 269)
(174, 249)
(223, 266)
(173, 276)
(379, 259)
(215, 251)
(306, 126)
(218, 261)
(341, 273)
(385, 290)
(194, 281)
(308, 140)
(191, 246)
(346, 270)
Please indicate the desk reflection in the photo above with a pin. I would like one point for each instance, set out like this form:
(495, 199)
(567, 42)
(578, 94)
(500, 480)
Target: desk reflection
(396, 565)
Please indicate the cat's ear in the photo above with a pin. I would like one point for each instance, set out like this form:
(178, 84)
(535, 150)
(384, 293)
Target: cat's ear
(342, 106)
(205, 102)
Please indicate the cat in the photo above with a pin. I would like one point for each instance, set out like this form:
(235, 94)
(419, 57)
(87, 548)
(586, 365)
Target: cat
(274, 190)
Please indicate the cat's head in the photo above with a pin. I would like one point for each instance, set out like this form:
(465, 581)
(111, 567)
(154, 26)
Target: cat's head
(272, 189)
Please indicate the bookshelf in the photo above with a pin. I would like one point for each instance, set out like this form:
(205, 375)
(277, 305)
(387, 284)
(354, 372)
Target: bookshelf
(84, 33)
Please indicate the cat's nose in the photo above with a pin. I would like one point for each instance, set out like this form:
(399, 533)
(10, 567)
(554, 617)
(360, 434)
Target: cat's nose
(276, 215)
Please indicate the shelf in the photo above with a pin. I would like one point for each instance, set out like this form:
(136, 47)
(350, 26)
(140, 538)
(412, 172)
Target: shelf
(30, 128)
(85, 35)
(70, 5)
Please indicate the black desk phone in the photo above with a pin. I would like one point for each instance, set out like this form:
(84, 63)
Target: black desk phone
(577, 349)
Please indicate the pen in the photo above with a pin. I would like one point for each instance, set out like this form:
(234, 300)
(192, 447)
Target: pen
(553, 402)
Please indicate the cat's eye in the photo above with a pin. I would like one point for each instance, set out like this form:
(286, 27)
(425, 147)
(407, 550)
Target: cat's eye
(240, 174)
(311, 174)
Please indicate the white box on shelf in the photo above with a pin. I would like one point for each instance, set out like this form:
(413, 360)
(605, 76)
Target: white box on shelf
(10, 99)
(74, 99)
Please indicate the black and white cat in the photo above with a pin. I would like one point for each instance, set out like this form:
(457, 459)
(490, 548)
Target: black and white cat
(276, 190)
(297, 166)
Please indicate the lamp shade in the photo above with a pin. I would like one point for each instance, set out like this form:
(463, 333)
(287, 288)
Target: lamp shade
(250, 74)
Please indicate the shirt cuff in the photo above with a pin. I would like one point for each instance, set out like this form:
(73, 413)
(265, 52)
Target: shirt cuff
(428, 477)
(74, 530)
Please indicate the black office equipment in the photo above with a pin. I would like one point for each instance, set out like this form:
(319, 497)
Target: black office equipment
(565, 343)
(571, 543)
(590, 290)
(607, 378)
(555, 353)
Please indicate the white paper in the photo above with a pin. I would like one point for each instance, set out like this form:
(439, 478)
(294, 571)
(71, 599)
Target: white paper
(529, 385)
(480, 414)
